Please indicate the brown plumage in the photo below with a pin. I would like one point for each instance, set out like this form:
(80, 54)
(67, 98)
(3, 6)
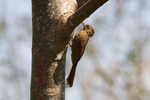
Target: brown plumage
(78, 46)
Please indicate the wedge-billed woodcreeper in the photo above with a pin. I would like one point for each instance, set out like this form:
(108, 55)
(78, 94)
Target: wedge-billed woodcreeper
(78, 46)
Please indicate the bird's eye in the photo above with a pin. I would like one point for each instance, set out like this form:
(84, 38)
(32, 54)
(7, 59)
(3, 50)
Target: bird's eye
(88, 26)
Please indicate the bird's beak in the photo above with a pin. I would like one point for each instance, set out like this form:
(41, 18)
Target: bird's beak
(84, 27)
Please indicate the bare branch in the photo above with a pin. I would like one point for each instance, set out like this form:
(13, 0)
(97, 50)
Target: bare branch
(85, 11)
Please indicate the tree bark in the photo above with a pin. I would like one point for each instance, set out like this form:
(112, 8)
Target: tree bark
(53, 23)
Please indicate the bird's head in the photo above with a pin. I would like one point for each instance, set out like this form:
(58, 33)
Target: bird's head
(89, 29)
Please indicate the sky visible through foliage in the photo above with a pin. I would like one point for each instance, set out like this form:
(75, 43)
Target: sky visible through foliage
(115, 65)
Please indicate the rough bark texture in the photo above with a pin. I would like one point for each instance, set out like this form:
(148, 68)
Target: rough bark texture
(51, 33)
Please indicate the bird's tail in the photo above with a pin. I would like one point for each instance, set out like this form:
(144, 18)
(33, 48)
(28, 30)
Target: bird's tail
(70, 79)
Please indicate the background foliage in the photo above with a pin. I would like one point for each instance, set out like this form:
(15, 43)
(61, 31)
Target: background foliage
(115, 65)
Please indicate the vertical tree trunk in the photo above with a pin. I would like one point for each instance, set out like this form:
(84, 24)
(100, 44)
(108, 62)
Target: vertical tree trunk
(51, 33)
(50, 37)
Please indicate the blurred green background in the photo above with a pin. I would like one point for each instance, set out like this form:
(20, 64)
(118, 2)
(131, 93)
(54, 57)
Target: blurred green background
(115, 65)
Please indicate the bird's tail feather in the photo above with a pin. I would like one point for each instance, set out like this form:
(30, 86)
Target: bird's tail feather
(70, 79)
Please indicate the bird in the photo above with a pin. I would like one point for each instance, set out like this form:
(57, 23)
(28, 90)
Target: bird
(78, 47)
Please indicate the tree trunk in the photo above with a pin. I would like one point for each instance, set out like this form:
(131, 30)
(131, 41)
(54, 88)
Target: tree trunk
(53, 23)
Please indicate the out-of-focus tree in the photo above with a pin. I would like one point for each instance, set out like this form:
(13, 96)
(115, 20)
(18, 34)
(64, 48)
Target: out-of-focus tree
(15, 47)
